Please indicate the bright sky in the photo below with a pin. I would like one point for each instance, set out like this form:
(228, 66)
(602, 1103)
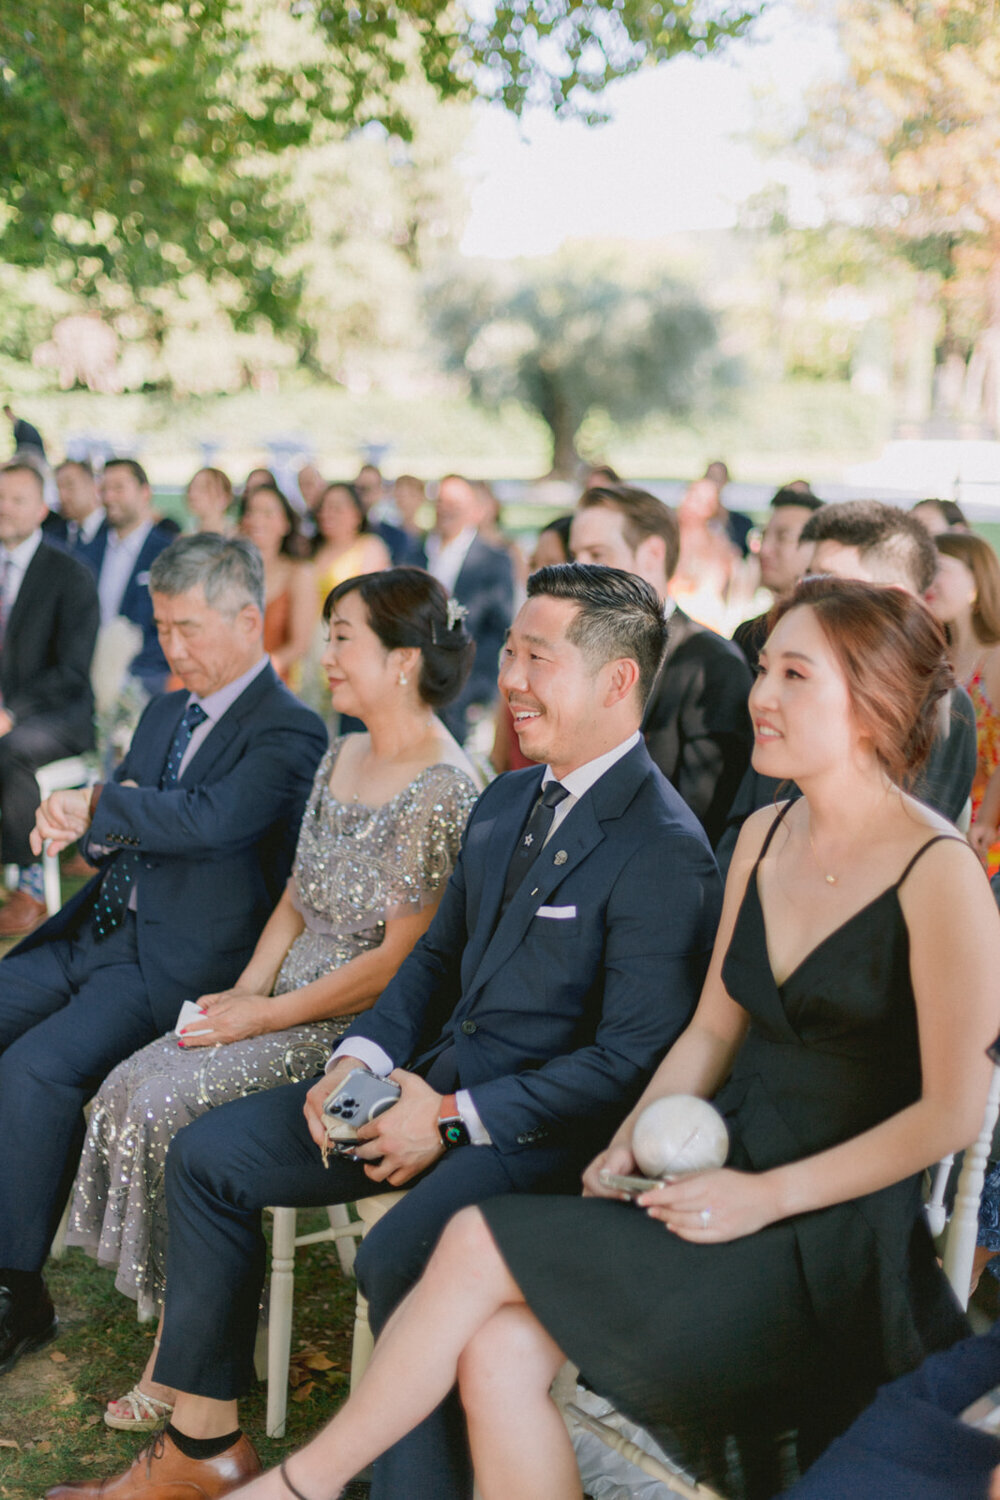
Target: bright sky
(676, 155)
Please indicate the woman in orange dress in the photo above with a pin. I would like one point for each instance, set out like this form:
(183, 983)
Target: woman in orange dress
(965, 597)
(291, 612)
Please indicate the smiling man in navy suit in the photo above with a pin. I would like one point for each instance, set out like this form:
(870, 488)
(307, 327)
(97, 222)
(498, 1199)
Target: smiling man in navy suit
(566, 955)
(194, 840)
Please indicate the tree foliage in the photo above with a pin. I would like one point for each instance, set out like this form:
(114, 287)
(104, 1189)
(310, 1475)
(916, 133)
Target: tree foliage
(146, 141)
(566, 340)
(913, 134)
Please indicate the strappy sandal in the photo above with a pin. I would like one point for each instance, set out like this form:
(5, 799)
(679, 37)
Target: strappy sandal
(144, 1413)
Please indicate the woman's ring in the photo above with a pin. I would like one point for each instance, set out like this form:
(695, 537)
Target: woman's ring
(706, 1216)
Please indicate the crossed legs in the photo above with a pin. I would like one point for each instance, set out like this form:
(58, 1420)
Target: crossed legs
(465, 1320)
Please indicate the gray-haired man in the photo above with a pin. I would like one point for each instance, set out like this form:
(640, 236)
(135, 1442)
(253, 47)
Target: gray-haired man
(194, 839)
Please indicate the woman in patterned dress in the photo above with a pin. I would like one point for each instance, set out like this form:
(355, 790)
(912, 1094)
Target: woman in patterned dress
(377, 844)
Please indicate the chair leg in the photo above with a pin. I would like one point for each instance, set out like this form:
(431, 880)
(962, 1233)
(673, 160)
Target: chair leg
(346, 1244)
(279, 1319)
(363, 1343)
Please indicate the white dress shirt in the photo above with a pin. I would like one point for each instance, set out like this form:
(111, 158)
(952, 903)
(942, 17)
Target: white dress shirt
(445, 560)
(577, 784)
(119, 559)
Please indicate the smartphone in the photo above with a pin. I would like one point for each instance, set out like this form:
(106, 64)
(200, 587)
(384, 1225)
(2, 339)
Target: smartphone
(633, 1186)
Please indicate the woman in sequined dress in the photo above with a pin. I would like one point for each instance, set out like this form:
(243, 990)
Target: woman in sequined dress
(377, 844)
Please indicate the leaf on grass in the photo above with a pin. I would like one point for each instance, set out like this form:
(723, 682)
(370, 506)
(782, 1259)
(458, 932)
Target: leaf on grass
(93, 1419)
(318, 1362)
(67, 1398)
(10, 1443)
(43, 1447)
(58, 1358)
(304, 1391)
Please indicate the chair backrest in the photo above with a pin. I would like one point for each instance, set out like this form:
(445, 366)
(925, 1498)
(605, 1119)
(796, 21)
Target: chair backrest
(957, 1234)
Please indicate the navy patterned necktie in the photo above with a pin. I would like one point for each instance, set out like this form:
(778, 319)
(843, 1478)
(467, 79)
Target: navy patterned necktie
(532, 839)
(120, 872)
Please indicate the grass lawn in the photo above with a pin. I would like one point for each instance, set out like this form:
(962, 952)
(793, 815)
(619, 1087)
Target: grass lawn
(51, 1404)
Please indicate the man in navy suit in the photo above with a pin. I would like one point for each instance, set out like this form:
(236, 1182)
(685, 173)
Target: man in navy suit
(566, 955)
(482, 580)
(122, 554)
(194, 840)
(80, 509)
(48, 625)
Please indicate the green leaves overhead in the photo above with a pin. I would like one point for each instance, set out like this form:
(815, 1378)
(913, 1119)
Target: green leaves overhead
(146, 141)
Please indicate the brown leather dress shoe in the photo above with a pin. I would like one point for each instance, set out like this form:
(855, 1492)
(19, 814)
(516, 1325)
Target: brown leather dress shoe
(161, 1472)
(21, 913)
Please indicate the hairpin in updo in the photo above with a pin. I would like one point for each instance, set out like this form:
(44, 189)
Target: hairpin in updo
(456, 614)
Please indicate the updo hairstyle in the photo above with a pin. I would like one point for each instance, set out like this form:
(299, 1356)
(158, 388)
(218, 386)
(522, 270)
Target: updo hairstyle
(406, 607)
(893, 654)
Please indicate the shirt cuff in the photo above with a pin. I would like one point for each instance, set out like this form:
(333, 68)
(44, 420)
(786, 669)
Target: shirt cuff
(478, 1134)
(368, 1053)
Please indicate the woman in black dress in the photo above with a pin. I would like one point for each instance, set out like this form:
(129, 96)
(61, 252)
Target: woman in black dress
(842, 1030)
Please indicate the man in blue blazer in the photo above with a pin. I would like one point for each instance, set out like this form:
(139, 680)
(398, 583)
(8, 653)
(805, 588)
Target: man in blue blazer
(565, 957)
(482, 580)
(121, 555)
(194, 840)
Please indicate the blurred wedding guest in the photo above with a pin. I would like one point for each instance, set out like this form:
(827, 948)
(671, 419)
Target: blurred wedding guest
(393, 802)
(551, 549)
(783, 558)
(939, 515)
(209, 500)
(311, 486)
(707, 558)
(80, 506)
(409, 496)
(48, 625)
(696, 723)
(738, 525)
(268, 520)
(124, 550)
(965, 596)
(481, 578)
(345, 544)
(194, 838)
(552, 544)
(255, 478)
(878, 543)
(404, 548)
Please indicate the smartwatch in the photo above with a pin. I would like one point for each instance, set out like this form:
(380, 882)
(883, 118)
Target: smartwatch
(451, 1127)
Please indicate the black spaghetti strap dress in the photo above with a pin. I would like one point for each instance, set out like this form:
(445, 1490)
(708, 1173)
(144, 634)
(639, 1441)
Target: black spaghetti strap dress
(797, 1324)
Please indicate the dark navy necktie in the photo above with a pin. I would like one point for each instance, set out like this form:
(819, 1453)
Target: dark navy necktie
(119, 874)
(530, 844)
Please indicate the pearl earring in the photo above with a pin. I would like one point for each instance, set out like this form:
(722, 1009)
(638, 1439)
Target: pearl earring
(403, 679)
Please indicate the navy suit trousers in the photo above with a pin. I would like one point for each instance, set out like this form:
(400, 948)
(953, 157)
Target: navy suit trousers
(223, 1169)
(909, 1444)
(69, 1011)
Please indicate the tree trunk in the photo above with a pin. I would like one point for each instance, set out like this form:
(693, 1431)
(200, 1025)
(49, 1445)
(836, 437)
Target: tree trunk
(557, 415)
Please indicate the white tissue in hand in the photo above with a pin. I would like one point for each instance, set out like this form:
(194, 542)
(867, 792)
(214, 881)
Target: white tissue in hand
(679, 1133)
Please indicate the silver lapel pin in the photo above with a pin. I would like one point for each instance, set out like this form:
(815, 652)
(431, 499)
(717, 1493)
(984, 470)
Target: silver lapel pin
(561, 857)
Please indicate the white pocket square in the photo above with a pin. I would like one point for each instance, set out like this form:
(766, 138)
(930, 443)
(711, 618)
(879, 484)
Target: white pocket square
(557, 913)
(142, 579)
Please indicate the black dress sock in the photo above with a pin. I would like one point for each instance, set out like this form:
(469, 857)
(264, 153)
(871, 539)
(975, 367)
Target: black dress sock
(200, 1448)
(24, 1285)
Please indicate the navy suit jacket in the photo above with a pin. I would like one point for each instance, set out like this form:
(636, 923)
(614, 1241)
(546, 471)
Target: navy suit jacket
(137, 605)
(558, 1021)
(216, 849)
(48, 644)
(485, 585)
